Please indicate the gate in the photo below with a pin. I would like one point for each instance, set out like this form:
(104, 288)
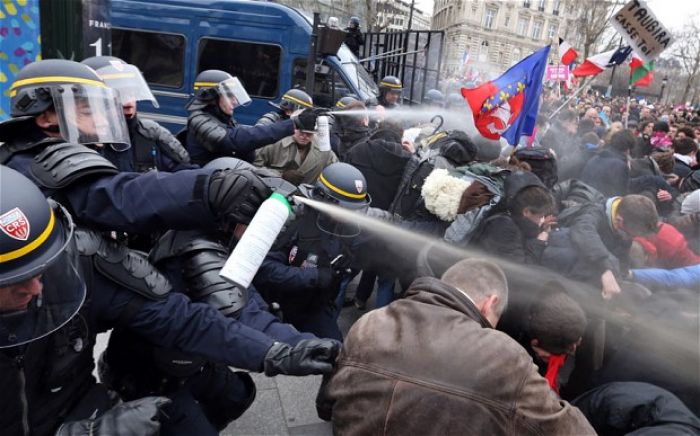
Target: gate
(414, 56)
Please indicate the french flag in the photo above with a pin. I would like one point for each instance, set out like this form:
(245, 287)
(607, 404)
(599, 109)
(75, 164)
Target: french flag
(598, 63)
(566, 53)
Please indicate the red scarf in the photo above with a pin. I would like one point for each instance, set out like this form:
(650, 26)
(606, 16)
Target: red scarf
(556, 361)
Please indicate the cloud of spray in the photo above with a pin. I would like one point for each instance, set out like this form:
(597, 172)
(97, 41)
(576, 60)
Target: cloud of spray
(523, 277)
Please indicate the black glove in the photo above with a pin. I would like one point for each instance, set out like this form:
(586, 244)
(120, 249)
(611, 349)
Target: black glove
(305, 120)
(135, 417)
(295, 177)
(310, 356)
(235, 196)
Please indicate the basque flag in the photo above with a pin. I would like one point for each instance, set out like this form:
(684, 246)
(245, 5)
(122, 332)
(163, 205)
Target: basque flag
(598, 63)
(566, 53)
(508, 105)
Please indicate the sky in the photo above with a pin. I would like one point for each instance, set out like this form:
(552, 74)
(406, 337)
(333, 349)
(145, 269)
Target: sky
(672, 13)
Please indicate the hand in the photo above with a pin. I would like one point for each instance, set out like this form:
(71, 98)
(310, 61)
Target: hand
(305, 120)
(548, 223)
(610, 285)
(235, 196)
(408, 146)
(134, 417)
(310, 356)
(672, 179)
(293, 176)
(663, 195)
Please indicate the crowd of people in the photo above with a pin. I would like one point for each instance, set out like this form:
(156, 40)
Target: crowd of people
(550, 287)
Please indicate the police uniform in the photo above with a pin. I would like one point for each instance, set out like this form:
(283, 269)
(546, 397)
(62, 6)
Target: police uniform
(89, 285)
(154, 147)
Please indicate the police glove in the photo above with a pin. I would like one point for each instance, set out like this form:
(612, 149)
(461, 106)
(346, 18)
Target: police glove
(310, 356)
(235, 196)
(135, 417)
(305, 120)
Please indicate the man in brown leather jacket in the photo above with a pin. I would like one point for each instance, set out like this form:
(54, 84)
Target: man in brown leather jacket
(432, 363)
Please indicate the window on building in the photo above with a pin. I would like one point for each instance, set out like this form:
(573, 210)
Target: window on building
(516, 55)
(159, 56)
(526, 3)
(328, 88)
(523, 23)
(541, 5)
(537, 30)
(490, 18)
(256, 65)
(552, 31)
(506, 22)
(556, 7)
(484, 51)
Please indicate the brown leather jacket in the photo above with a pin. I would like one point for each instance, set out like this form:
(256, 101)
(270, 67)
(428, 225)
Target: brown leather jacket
(431, 364)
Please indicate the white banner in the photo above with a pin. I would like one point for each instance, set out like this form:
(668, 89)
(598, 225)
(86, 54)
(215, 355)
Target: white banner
(642, 30)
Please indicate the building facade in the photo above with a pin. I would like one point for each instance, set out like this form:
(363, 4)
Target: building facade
(393, 15)
(485, 37)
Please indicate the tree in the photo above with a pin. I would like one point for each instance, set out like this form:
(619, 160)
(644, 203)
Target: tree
(687, 50)
(592, 19)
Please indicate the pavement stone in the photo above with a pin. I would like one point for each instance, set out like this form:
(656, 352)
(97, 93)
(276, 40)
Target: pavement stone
(265, 417)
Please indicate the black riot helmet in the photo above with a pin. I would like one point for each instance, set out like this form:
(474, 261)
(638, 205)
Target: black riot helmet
(354, 22)
(293, 100)
(343, 185)
(434, 98)
(87, 110)
(390, 83)
(41, 287)
(345, 101)
(210, 84)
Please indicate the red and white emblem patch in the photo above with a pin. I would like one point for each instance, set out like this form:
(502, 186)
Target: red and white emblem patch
(359, 185)
(15, 224)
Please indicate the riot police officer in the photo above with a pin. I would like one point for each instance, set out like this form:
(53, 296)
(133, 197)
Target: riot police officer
(152, 146)
(60, 286)
(59, 109)
(211, 130)
(292, 101)
(353, 36)
(434, 98)
(390, 88)
(304, 269)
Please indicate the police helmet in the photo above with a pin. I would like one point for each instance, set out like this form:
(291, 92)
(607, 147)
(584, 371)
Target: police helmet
(40, 283)
(293, 100)
(455, 100)
(345, 101)
(354, 22)
(72, 90)
(343, 185)
(210, 84)
(122, 77)
(390, 83)
(434, 97)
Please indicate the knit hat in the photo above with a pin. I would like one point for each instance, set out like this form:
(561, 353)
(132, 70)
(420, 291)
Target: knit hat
(691, 203)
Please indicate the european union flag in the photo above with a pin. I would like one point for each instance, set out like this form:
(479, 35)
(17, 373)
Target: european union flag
(508, 106)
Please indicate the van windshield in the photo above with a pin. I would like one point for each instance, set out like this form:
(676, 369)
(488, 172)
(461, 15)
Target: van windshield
(357, 74)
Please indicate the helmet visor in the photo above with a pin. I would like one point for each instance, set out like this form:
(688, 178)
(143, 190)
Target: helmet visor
(90, 115)
(234, 91)
(41, 304)
(129, 83)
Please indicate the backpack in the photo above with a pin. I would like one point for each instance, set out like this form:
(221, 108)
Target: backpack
(691, 182)
(542, 162)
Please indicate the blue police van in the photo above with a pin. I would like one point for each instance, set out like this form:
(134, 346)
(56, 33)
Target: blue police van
(264, 44)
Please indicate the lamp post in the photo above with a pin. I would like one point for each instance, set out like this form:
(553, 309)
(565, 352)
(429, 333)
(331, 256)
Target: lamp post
(663, 86)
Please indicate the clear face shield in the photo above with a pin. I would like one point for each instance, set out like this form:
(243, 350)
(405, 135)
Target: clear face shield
(341, 224)
(128, 81)
(90, 115)
(39, 302)
(234, 91)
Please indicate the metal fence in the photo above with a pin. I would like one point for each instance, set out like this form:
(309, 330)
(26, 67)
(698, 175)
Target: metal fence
(413, 56)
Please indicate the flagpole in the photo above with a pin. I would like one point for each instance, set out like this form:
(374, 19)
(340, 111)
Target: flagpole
(627, 108)
(558, 67)
(577, 92)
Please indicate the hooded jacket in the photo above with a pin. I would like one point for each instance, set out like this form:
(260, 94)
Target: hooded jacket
(431, 363)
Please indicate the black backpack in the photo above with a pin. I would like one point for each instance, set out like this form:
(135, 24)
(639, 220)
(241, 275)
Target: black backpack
(691, 182)
(542, 162)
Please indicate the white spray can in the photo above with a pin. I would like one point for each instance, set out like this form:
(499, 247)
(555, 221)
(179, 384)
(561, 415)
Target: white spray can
(249, 253)
(323, 134)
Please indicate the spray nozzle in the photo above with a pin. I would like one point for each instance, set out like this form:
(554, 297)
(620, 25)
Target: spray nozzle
(280, 186)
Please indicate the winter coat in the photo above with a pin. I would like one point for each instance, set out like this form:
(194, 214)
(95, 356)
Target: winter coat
(636, 408)
(607, 172)
(687, 277)
(681, 168)
(284, 155)
(354, 39)
(398, 370)
(668, 248)
(382, 163)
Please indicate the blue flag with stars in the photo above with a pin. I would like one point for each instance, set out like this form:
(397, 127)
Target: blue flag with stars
(507, 106)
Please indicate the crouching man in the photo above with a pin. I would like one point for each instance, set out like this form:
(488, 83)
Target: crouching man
(432, 363)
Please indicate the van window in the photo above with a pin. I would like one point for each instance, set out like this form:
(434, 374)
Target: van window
(159, 56)
(328, 88)
(257, 66)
